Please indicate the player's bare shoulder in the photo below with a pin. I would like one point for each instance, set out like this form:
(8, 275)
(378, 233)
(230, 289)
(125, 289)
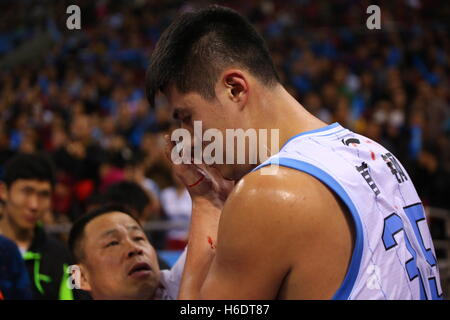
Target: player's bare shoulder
(296, 215)
(287, 189)
(293, 201)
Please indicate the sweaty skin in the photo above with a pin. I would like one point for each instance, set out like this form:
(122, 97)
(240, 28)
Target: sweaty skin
(282, 236)
(274, 240)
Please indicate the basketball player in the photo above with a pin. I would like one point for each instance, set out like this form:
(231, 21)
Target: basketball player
(339, 219)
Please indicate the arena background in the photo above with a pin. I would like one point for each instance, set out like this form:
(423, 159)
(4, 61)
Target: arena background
(78, 95)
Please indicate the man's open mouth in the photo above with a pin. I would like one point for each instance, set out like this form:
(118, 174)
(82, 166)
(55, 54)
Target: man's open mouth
(141, 268)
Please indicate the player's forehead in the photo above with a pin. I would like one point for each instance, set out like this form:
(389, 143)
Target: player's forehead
(182, 101)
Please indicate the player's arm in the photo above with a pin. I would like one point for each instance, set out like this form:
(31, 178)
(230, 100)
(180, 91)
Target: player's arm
(251, 259)
(271, 225)
(208, 190)
(247, 262)
(253, 253)
(202, 238)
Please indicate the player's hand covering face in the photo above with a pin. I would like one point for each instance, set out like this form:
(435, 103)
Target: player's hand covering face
(201, 180)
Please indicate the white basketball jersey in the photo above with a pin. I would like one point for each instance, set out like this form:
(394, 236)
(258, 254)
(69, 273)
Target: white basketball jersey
(393, 257)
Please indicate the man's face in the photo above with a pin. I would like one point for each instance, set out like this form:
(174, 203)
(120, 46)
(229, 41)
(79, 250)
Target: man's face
(219, 114)
(118, 262)
(27, 201)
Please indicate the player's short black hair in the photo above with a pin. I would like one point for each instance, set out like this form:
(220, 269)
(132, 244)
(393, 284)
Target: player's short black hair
(77, 231)
(129, 194)
(197, 46)
(26, 166)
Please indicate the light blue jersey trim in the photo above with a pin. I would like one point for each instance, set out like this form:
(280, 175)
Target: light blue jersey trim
(344, 291)
(329, 134)
(329, 127)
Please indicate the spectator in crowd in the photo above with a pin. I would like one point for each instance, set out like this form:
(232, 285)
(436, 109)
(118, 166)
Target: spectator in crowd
(116, 260)
(14, 281)
(135, 170)
(26, 192)
(428, 167)
(132, 195)
(177, 205)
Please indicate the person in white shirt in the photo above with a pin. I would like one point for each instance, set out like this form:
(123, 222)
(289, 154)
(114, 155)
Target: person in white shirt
(177, 205)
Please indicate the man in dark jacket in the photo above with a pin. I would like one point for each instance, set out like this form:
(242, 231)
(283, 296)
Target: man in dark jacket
(27, 193)
(14, 281)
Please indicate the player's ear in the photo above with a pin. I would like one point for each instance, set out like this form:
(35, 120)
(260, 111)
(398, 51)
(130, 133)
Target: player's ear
(234, 84)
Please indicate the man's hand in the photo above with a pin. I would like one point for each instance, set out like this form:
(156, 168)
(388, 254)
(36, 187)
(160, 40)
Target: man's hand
(202, 181)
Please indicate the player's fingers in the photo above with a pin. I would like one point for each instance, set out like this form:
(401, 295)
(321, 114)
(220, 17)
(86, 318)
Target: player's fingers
(188, 173)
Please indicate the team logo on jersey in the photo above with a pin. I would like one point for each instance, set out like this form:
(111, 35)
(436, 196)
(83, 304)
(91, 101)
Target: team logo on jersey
(353, 141)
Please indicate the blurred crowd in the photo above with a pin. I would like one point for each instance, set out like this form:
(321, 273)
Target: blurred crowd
(82, 100)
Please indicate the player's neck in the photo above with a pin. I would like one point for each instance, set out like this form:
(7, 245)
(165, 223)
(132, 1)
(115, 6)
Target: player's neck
(287, 115)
